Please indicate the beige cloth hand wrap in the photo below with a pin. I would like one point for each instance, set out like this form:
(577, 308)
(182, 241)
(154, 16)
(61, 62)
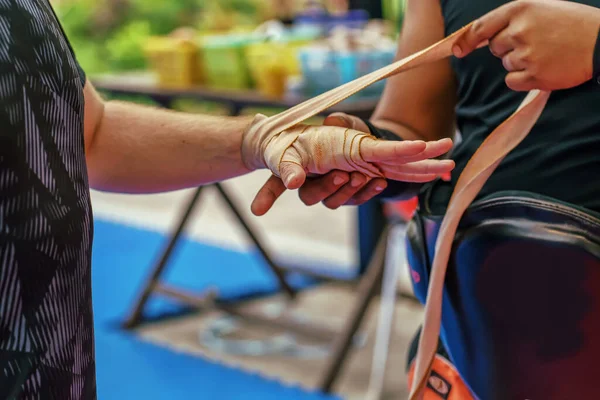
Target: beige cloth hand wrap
(318, 150)
(481, 166)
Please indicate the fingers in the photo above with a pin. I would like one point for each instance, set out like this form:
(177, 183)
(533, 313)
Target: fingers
(339, 188)
(436, 167)
(357, 182)
(402, 152)
(522, 81)
(346, 121)
(316, 190)
(267, 196)
(413, 178)
(370, 190)
(433, 150)
(380, 150)
(483, 29)
(502, 44)
(514, 61)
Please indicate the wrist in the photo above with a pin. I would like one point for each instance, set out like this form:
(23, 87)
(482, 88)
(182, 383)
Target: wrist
(253, 143)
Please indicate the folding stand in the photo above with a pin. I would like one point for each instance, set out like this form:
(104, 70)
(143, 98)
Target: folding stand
(342, 341)
(371, 225)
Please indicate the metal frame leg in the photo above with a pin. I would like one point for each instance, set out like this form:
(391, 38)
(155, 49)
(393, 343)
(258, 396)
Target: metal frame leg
(387, 311)
(366, 291)
(277, 271)
(135, 318)
(136, 315)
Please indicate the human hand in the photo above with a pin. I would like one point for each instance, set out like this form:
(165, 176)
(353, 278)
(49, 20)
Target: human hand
(544, 44)
(352, 186)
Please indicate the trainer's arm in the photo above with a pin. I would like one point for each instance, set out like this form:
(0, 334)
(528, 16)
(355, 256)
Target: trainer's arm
(419, 104)
(138, 149)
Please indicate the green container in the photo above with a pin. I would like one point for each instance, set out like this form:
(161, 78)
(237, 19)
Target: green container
(393, 10)
(223, 60)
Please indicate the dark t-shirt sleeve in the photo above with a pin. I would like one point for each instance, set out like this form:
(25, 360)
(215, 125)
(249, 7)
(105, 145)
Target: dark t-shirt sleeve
(82, 75)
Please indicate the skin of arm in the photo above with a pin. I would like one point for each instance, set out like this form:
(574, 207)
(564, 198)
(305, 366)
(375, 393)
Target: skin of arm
(128, 146)
(419, 104)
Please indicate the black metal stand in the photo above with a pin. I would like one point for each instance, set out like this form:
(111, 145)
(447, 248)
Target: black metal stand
(136, 316)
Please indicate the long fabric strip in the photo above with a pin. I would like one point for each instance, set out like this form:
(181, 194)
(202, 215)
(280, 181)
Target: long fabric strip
(480, 167)
(478, 170)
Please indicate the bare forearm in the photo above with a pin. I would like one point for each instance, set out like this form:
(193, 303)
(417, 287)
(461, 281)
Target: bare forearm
(138, 149)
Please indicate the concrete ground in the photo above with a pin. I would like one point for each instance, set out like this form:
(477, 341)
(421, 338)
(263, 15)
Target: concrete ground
(293, 232)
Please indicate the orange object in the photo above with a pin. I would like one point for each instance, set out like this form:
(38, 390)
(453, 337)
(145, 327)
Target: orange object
(445, 383)
(405, 209)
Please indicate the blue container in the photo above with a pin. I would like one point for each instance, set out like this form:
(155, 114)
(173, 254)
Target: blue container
(324, 22)
(316, 20)
(353, 19)
(325, 70)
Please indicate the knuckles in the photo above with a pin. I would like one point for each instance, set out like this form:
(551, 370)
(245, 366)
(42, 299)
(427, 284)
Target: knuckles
(477, 34)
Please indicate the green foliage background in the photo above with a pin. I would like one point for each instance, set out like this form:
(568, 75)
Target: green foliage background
(109, 35)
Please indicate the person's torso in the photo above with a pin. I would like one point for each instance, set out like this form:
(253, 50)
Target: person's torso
(46, 326)
(560, 156)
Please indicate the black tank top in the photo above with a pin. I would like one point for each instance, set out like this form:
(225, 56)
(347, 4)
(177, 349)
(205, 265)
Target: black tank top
(561, 156)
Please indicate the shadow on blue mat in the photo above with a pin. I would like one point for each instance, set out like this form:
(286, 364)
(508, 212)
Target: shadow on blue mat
(124, 256)
(128, 368)
(131, 369)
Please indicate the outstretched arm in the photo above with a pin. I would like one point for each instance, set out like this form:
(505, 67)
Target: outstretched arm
(138, 149)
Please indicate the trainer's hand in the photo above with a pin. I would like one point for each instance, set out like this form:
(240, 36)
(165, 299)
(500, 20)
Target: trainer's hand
(409, 161)
(543, 44)
(339, 188)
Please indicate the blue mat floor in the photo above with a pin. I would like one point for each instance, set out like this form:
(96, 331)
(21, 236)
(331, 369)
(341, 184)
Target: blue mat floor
(128, 368)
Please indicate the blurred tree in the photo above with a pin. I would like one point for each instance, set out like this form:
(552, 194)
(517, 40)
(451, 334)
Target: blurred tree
(109, 35)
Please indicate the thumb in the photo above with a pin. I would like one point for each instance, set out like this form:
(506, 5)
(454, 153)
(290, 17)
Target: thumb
(346, 121)
(267, 196)
(484, 29)
(292, 174)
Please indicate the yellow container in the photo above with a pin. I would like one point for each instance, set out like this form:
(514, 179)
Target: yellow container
(223, 59)
(174, 61)
(271, 63)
